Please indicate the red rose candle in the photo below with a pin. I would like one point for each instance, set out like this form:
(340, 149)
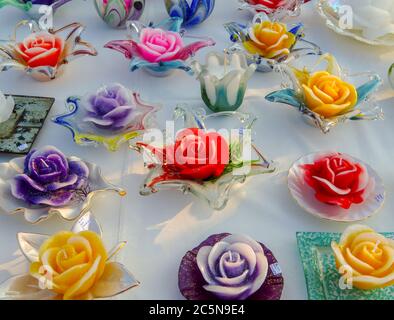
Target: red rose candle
(337, 180)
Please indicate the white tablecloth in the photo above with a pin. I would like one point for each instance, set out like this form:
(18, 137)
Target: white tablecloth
(159, 229)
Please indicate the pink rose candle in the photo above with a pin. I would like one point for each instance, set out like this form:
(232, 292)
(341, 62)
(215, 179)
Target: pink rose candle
(158, 49)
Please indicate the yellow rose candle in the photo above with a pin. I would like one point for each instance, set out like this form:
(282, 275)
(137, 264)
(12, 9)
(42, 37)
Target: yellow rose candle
(269, 39)
(70, 265)
(328, 95)
(365, 257)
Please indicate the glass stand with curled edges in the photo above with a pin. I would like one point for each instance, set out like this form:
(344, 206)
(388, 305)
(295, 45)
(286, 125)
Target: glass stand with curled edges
(61, 48)
(159, 68)
(239, 35)
(321, 275)
(215, 192)
(141, 116)
(366, 83)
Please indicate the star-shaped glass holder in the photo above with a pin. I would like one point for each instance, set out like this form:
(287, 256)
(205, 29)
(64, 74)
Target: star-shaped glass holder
(366, 83)
(86, 133)
(181, 60)
(239, 34)
(245, 159)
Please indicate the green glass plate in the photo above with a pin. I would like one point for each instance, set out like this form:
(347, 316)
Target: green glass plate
(18, 134)
(322, 277)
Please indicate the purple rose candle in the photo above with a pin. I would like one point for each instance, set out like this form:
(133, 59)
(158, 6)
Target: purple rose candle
(49, 178)
(110, 108)
(230, 267)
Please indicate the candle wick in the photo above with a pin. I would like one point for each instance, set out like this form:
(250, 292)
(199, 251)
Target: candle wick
(376, 246)
(231, 256)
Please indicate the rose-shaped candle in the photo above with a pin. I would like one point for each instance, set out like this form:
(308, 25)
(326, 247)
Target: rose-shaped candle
(365, 258)
(69, 265)
(6, 107)
(111, 108)
(46, 182)
(116, 13)
(196, 155)
(336, 186)
(202, 159)
(230, 267)
(368, 21)
(110, 116)
(44, 53)
(192, 12)
(327, 97)
(338, 180)
(158, 49)
(223, 80)
(78, 262)
(267, 42)
(49, 178)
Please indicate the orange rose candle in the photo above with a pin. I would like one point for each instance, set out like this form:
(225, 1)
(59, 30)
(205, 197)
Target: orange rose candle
(268, 42)
(44, 53)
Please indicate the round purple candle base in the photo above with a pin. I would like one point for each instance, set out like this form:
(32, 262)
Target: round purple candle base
(191, 281)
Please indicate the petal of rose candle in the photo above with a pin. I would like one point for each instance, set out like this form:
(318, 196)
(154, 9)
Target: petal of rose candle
(224, 80)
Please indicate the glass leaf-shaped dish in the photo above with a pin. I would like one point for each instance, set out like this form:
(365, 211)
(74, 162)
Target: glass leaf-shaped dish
(332, 11)
(321, 275)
